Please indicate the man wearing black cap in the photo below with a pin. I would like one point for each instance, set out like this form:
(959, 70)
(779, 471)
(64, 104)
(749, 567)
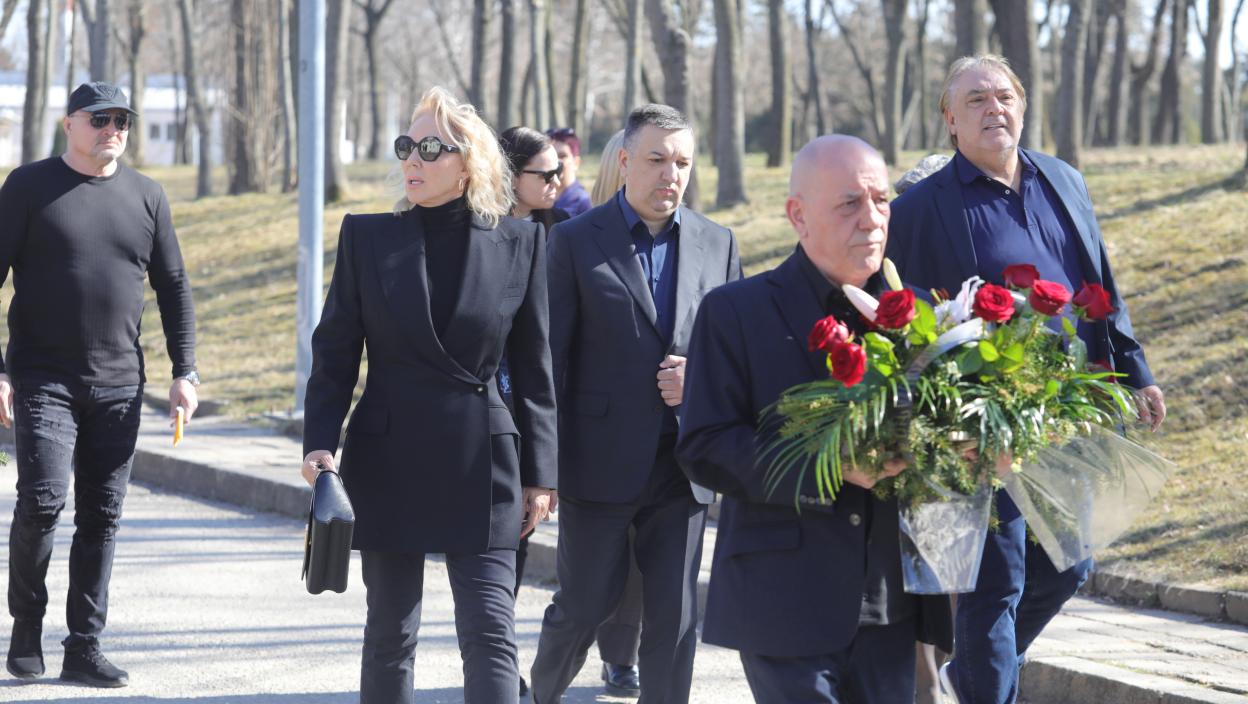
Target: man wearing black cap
(81, 232)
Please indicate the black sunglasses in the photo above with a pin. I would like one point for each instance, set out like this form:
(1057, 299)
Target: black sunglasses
(428, 149)
(120, 120)
(547, 176)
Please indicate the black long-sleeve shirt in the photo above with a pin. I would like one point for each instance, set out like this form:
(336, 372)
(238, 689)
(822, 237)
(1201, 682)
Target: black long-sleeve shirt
(446, 251)
(80, 248)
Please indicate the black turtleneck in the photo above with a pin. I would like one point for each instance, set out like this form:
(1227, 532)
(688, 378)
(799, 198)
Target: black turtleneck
(446, 249)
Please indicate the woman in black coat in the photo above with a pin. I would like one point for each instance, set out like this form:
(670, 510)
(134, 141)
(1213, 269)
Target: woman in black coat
(433, 461)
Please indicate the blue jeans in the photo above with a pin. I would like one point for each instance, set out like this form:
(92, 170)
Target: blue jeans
(62, 429)
(1019, 591)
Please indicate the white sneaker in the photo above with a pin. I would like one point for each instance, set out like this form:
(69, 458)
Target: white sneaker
(948, 693)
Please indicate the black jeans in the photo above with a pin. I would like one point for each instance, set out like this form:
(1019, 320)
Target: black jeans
(66, 428)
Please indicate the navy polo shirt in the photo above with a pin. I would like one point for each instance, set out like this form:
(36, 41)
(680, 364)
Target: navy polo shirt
(657, 255)
(1028, 226)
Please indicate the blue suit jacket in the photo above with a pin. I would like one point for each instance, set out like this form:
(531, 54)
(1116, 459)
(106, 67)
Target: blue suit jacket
(929, 239)
(783, 583)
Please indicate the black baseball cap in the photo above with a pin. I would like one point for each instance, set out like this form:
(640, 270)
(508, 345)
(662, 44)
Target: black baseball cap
(96, 96)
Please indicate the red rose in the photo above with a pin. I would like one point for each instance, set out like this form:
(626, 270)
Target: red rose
(1092, 302)
(826, 334)
(1047, 297)
(1020, 275)
(896, 309)
(849, 363)
(993, 303)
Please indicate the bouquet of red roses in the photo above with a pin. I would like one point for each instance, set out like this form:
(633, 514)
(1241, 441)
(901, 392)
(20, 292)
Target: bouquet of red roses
(979, 371)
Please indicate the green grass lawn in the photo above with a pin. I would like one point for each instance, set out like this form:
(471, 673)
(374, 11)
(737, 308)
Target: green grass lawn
(1178, 241)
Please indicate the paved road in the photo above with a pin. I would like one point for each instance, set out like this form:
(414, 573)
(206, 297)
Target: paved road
(207, 606)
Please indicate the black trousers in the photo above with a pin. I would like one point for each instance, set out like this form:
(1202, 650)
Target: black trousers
(619, 636)
(876, 668)
(593, 563)
(482, 586)
(62, 429)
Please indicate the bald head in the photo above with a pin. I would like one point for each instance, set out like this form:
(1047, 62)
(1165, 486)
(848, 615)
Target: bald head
(838, 204)
(828, 153)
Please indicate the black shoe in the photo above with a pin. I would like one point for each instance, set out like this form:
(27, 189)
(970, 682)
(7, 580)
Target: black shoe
(87, 665)
(621, 680)
(524, 687)
(25, 659)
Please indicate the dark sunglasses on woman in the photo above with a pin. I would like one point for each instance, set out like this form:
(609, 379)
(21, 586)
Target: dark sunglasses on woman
(428, 149)
(547, 176)
(120, 120)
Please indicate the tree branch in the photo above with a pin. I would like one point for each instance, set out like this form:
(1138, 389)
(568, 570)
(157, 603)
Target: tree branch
(457, 71)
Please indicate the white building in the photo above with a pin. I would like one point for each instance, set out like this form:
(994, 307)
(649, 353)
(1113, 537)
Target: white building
(157, 118)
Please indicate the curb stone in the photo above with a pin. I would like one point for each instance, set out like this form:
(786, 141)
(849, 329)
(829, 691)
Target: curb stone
(1124, 588)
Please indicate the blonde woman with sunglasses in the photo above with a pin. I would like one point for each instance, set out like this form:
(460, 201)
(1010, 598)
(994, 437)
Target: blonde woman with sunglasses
(433, 461)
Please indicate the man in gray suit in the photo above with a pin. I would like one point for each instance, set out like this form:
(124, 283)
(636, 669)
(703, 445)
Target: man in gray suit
(625, 281)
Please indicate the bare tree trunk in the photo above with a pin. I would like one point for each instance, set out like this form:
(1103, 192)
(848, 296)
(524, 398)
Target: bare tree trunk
(336, 26)
(971, 26)
(814, 94)
(286, 95)
(136, 19)
(242, 165)
(537, 62)
(864, 69)
(99, 29)
(58, 135)
(632, 64)
(780, 144)
(729, 111)
(507, 65)
(195, 99)
(895, 31)
(1234, 112)
(1168, 127)
(1116, 117)
(577, 79)
(920, 62)
(1094, 50)
(1070, 90)
(1137, 118)
(1211, 77)
(482, 19)
(674, 46)
(34, 110)
(374, 13)
(555, 105)
(1017, 27)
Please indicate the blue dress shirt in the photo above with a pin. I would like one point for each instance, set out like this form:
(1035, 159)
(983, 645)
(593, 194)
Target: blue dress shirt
(657, 255)
(1028, 226)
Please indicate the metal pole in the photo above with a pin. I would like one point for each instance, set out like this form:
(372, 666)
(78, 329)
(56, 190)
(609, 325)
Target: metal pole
(311, 187)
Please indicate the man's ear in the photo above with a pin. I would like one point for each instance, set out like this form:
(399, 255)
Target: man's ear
(797, 218)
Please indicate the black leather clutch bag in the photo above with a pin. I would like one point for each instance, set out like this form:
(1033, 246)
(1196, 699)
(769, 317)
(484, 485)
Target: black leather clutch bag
(327, 547)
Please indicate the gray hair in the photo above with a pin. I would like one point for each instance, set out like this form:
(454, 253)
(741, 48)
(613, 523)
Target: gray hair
(927, 166)
(980, 61)
(661, 116)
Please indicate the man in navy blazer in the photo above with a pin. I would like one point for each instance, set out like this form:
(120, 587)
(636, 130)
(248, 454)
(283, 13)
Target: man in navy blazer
(625, 281)
(993, 205)
(812, 599)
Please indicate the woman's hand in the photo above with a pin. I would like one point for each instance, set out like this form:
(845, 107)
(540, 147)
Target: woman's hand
(855, 476)
(539, 503)
(316, 462)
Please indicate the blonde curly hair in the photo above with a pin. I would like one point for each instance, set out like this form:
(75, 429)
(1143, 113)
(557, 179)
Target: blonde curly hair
(488, 187)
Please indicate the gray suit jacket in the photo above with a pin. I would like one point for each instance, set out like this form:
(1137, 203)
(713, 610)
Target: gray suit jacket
(606, 347)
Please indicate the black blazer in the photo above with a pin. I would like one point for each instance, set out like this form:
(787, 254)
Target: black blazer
(929, 239)
(783, 583)
(433, 460)
(607, 348)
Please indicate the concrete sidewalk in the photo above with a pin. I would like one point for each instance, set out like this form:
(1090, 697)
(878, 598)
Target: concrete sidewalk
(207, 607)
(1095, 652)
